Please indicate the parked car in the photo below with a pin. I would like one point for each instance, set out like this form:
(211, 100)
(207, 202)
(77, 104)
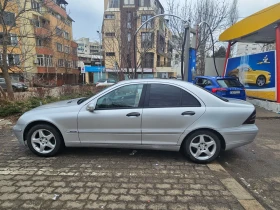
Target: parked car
(142, 114)
(105, 82)
(17, 86)
(228, 87)
(253, 77)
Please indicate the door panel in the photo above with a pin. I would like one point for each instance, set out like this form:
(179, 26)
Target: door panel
(165, 125)
(110, 126)
(116, 118)
(167, 113)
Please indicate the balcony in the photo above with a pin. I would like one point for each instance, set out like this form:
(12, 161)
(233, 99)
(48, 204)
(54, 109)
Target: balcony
(163, 64)
(44, 50)
(42, 32)
(57, 8)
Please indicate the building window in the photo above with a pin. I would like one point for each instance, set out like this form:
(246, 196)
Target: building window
(110, 34)
(147, 40)
(110, 54)
(114, 3)
(129, 37)
(35, 6)
(59, 47)
(128, 2)
(58, 31)
(110, 16)
(74, 50)
(49, 61)
(66, 35)
(14, 39)
(8, 19)
(60, 63)
(144, 18)
(66, 49)
(68, 64)
(75, 64)
(145, 3)
(129, 18)
(39, 42)
(40, 60)
(148, 61)
(13, 59)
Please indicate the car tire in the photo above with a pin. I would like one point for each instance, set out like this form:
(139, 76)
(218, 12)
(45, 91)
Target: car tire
(202, 146)
(44, 140)
(261, 81)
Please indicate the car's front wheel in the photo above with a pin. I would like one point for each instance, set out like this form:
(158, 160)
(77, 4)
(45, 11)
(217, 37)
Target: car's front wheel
(261, 81)
(44, 140)
(202, 146)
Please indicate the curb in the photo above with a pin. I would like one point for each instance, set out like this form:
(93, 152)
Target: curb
(240, 193)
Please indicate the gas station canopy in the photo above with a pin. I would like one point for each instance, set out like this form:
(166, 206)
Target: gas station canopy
(257, 28)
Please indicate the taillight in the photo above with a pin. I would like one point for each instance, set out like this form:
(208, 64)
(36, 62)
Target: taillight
(252, 118)
(215, 90)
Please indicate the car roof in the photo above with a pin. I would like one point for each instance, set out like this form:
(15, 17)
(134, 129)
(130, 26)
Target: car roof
(170, 81)
(215, 77)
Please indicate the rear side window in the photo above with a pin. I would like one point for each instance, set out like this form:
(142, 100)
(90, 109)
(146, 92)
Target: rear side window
(189, 100)
(169, 96)
(164, 96)
(226, 83)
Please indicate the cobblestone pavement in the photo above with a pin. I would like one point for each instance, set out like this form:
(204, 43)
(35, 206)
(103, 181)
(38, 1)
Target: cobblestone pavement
(106, 179)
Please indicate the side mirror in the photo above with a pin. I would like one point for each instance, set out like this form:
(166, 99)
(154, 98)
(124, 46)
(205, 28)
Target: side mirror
(91, 107)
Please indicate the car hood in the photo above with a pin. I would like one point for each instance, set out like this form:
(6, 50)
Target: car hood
(18, 84)
(261, 72)
(66, 103)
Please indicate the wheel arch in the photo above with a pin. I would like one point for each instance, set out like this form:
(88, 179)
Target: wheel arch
(222, 140)
(30, 125)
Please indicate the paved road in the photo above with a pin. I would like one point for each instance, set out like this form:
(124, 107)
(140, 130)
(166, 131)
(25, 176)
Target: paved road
(106, 179)
(257, 166)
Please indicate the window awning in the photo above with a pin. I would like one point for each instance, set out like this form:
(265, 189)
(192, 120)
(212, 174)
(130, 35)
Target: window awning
(257, 28)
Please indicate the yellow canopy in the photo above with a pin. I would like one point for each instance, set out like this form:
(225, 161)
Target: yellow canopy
(257, 28)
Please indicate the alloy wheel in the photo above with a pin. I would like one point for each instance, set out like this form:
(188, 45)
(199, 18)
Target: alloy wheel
(43, 141)
(203, 147)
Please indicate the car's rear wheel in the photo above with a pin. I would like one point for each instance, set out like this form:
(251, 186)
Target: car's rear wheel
(44, 140)
(202, 146)
(261, 81)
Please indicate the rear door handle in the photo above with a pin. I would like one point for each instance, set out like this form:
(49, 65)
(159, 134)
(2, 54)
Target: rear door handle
(133, 114)
(189, 113)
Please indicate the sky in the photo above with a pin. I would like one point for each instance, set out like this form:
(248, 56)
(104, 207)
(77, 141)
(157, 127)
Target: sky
(88, 14)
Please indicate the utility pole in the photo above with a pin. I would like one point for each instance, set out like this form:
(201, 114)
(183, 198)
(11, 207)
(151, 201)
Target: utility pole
(187, 52)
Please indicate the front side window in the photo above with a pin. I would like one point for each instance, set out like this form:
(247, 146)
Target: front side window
(122, 98)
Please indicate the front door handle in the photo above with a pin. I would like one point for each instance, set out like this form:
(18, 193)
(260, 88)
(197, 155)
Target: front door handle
(133, 114)
(189, 113)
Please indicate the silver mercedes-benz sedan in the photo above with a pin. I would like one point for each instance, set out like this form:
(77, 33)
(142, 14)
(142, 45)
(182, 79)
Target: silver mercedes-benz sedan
(142, 114)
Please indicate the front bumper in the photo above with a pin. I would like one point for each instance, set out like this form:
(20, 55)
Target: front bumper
(239, 136)
(18, 131)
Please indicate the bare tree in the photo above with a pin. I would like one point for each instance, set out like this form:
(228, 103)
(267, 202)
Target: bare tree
(214, 12)
(233, 13)
(20, 36)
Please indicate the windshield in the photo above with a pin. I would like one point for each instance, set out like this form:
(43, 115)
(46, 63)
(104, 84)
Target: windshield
(227, 83)
(221, 98)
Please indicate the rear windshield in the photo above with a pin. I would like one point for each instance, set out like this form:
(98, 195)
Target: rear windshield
(226, 83)
(221, 98)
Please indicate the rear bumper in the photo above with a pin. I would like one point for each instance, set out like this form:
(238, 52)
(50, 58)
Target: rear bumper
(239, 136)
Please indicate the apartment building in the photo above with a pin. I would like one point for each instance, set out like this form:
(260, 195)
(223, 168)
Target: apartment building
(88, 51)
(47, 52)
(242, 49)
(154, 45)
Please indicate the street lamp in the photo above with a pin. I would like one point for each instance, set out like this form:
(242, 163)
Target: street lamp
(186, 43)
